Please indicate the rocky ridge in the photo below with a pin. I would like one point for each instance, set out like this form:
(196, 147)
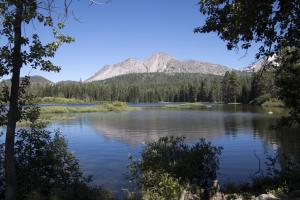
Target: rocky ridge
(159, 62)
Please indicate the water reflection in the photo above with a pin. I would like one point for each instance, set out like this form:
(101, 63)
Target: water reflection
(138, 127)
(102, 141)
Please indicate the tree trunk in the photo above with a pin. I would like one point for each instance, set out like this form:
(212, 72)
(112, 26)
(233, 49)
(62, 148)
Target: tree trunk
(10, 169)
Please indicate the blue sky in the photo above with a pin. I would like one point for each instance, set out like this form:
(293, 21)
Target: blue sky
(121, 29)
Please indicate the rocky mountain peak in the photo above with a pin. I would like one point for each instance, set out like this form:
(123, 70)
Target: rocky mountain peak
(159, 62)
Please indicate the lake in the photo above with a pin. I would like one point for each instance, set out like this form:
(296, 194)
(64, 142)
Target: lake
(103, 141)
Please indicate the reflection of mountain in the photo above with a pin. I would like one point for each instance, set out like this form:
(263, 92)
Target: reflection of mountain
(144, 126)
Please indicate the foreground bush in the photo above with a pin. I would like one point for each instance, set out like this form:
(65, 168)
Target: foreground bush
(47, 170)
(160, 185)
(169, 165)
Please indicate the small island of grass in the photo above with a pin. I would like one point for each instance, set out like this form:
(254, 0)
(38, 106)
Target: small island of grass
(273, 103)
(102, 107)
(186, 106)
(65, 112)
(62, 100)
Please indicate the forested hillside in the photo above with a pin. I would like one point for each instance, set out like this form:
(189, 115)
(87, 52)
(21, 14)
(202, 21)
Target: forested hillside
(156, 87)
(34, 81)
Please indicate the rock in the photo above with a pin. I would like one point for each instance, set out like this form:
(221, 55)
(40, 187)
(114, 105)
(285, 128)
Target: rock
(244, 196)
(218, 196)
(266, 197)
(187, 195)
(183, 194)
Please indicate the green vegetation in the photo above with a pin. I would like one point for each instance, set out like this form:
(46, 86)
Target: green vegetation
(229, 20)
(38, 166)
(60, 100)
(185, 106)
(25, 49)
(45, 169)
(230, 87)
(263, 86)
(169, 168)
(274, 25)
(64, 113)
(288, 81)
(160, 185)
(103, 107)
(46, 118)
(169, 165)
(256, 88)
(153, 87)
(273, 103)
(34, 80)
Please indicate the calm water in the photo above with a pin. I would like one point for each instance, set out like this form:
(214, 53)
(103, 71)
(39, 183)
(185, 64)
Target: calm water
(103, 141)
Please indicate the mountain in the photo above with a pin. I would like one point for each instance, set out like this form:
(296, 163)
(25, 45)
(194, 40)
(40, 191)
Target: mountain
(255, 67)
(159, 62)
(260, 64)
(39, 80)
(34, 80)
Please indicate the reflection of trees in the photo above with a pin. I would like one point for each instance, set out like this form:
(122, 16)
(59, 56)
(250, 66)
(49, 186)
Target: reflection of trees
(230, 125)
(289, 142)
(262, 128)
(286, 140)
(237, 123)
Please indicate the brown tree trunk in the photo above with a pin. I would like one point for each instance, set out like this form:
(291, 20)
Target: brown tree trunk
(10, 169)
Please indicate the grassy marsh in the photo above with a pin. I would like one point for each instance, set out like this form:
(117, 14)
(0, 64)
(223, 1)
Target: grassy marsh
(103, 107)
(186, 106)
(61, 100)
(273, 103)
(64, 113)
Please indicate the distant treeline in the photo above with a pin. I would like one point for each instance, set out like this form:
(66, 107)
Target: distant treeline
(156, 87)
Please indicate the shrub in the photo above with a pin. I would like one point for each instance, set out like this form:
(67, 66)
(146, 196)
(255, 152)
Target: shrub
(196, 164)
(171, 162)
(160, 185)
